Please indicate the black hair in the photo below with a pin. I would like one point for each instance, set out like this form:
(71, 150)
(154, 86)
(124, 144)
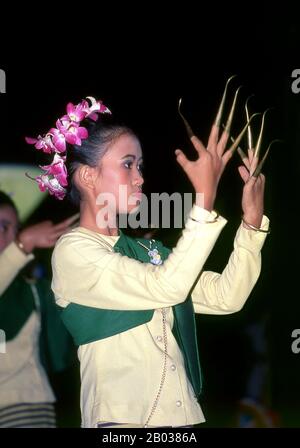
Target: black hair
(5, 201)
(102, 134)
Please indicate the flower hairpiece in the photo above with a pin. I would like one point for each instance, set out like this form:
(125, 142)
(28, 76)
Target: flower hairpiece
(67, 130)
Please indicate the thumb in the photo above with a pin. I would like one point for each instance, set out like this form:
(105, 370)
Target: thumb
(181, 158)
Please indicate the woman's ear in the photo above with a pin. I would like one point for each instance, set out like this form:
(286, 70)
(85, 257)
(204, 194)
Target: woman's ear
(85, 177)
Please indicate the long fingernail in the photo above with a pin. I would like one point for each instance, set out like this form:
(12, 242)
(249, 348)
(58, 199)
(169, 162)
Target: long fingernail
(261, 163)
(259, 140)
(241, 134)
(249, 133)
(221, 107)
(242, 155)
(239, 150)
(230, 117)
(188, 128)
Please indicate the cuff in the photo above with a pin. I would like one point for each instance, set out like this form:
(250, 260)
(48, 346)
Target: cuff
(251, 239)
(16, 257)
(203, 216)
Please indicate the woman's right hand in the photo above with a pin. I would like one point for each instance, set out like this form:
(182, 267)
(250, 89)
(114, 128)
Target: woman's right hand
(205, 172)
(44, 234)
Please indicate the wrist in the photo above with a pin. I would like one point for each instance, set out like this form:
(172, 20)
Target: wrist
(24, 243)
(254, 220)
(205, 201)
(257, 228)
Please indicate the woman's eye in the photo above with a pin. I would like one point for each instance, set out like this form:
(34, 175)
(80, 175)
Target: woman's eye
(128, 165)
(140, 168)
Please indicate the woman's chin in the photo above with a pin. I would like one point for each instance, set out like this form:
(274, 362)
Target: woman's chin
(130, 209)
(134, 209)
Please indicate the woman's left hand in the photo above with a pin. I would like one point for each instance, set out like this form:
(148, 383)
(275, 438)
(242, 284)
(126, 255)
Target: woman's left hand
(253, 193)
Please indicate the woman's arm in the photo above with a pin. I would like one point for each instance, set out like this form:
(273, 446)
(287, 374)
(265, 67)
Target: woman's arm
(41, 235)
(12, 260)
(87, 273)
(227, 292)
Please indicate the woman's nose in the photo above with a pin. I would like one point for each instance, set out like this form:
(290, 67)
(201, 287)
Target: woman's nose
(138, 178)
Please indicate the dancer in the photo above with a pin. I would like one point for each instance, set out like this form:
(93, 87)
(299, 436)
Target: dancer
(130, 303)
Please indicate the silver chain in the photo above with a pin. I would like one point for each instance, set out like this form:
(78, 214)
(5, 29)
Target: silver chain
(164, 372)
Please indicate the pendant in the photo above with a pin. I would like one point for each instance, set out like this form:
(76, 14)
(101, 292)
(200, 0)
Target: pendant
(154, 255)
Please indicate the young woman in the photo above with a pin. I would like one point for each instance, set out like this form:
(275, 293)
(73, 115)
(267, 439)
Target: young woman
(130, 303)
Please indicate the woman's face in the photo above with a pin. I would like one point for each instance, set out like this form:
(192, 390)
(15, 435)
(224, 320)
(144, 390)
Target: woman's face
(119, 174)
(8, 226)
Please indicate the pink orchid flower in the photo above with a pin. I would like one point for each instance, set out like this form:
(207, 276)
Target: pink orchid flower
(95, 108)
(52, 185)
(68, 130)
(58, 139)
(72, 132)
(57, 169)
(75, 113)
(43, 143)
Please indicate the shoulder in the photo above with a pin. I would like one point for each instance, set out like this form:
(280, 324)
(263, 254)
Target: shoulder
(76, 245)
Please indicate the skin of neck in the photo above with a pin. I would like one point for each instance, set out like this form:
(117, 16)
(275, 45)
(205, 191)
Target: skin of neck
(88, 213)
(89, 207)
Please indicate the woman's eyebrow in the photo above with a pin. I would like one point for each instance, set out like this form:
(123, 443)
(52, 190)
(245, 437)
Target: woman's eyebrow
(131, 155)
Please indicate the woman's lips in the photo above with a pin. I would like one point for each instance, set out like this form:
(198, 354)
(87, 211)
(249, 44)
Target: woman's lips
(138, 195)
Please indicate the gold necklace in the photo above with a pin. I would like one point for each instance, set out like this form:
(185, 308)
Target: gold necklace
(164, 372)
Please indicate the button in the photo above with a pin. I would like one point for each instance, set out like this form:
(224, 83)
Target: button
(178, 403)
(159, 338)
(173, 367)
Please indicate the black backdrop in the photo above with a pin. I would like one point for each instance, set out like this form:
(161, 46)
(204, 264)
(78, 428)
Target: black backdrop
(140, 68)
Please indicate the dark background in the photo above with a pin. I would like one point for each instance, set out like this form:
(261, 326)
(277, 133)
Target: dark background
(140, 66)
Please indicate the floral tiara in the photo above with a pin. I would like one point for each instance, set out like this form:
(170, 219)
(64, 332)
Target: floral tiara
(67, 130)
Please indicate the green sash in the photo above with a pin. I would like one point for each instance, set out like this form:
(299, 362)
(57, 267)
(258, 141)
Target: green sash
(17, 303)
(16, 306)
(88, 324)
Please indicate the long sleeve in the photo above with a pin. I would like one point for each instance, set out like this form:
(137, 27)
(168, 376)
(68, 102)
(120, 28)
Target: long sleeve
(227, 292)
(12, 260)
(88, 273)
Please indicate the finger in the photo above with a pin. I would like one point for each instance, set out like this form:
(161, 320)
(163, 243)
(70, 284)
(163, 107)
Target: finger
(251, 181)
(67, 222)
(250, 155)
(55, 235)
(222, 143)
(66, 225)
(198, 145)
(50, 241)
(243, 173)
(253, 165)
(213, 137)
(226, 157)
(240, 152)
(244, 158)
(181, 158)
